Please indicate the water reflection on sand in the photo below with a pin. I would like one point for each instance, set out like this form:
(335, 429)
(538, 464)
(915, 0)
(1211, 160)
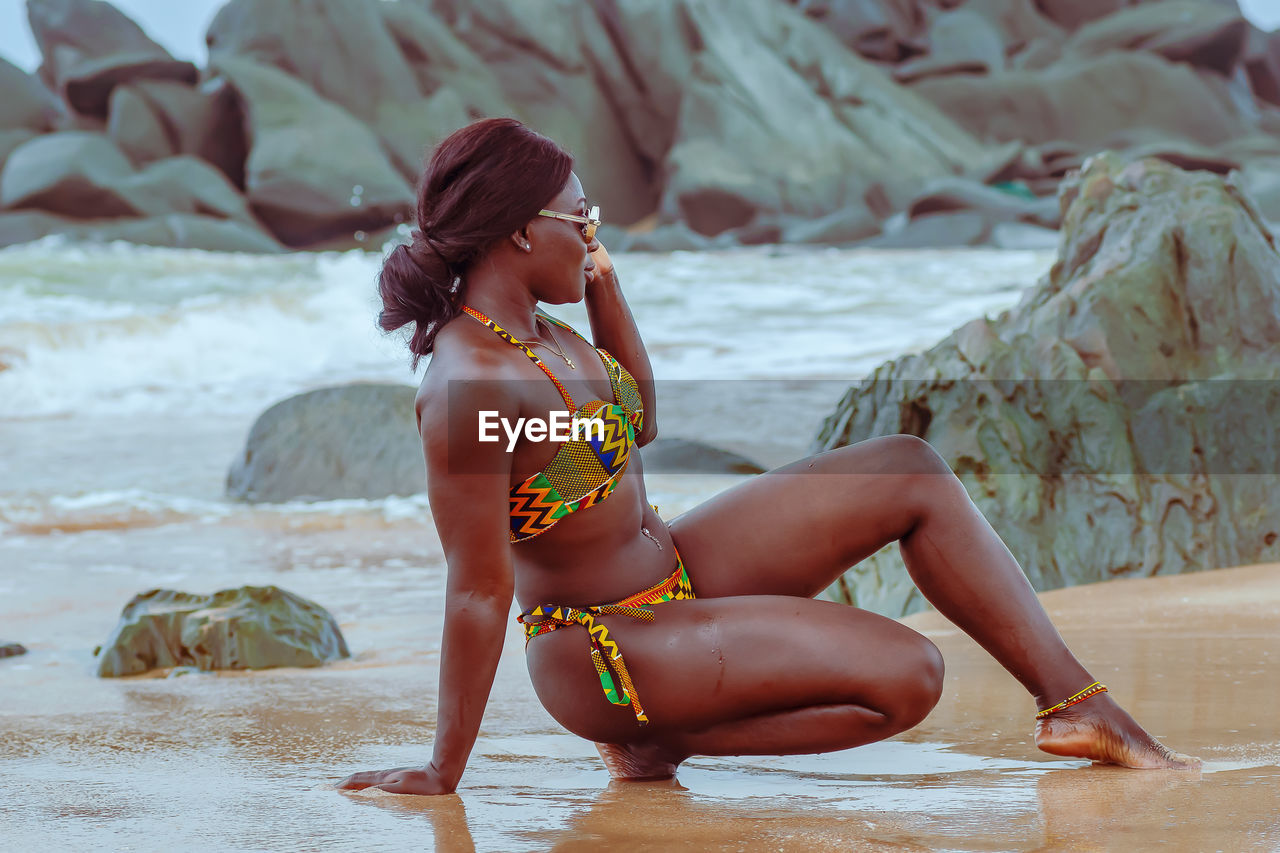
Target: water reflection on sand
(247, 760)
(127, 410)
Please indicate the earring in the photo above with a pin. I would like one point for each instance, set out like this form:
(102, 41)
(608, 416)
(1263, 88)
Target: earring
(528, 248)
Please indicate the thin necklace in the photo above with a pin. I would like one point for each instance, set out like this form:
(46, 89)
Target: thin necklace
(557, 350)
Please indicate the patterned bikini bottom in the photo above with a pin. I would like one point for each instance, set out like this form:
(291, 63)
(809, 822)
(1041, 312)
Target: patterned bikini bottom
(605, 653)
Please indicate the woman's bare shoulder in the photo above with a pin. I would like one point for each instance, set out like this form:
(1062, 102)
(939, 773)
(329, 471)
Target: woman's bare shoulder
(463, 358)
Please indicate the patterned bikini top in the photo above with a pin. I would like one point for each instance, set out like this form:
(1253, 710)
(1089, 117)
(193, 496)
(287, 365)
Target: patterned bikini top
(586, 468)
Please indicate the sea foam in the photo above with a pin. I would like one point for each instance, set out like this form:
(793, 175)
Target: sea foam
(125, 329)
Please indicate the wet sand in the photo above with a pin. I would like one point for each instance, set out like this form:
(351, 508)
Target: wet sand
(120, 421)
(244, 761)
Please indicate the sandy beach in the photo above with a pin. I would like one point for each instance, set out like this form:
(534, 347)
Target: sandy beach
(1037, 234)
(118, 488)
(245, 761)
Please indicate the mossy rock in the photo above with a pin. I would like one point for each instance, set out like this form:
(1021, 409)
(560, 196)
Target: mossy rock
(253, 627)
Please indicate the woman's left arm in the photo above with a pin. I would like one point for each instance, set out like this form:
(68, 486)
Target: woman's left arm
(614, 329)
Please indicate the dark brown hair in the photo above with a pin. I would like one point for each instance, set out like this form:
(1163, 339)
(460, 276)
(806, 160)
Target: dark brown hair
(482, 183)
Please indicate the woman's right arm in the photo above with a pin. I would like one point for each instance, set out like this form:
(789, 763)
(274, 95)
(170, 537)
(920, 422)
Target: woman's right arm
(467, 483)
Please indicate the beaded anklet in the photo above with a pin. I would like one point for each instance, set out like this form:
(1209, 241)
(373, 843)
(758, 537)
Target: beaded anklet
(1096, 687)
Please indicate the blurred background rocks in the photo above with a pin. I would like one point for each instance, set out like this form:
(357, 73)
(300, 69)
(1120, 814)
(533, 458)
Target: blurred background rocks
(695, 123)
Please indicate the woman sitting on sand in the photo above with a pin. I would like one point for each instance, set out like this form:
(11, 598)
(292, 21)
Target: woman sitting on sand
(699, 637)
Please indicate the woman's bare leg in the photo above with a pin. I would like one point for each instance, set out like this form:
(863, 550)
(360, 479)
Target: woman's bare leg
(738, 676)
(795, 530)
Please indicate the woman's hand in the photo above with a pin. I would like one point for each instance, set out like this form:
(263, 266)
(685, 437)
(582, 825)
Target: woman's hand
(604, 264)
(401, 780)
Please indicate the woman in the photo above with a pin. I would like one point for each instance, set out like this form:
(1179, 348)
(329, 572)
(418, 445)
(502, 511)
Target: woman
(711, 642)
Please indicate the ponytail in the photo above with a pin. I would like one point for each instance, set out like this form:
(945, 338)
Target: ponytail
(418, 286)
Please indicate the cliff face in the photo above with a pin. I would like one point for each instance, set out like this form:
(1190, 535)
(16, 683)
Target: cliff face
(1121, 420)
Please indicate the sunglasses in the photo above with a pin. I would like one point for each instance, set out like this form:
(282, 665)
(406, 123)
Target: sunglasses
(589, 223)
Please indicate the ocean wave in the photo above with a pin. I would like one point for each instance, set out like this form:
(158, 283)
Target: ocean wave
(127, 329)
(201, 332)
(133, 509)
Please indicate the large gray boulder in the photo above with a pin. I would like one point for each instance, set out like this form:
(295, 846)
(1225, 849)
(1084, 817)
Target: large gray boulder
(440, 62)
(880, 30)
(559, 68)
(778, 118)
(1073, 14)
(186, 185)
(641, 68)
(24, 226)
(26, 104)
(1261, 177)
(672, 237)
(314, 171)
(841, 228)
(205, 121)
(427, 69)
(179, 231)
(1020, 24)
(74, 173)
(253, 627)
(1096, 102)
(961, 41)
(945, 195)
(344, 53)
(685, 456)
(374, 83)
(932, 35)
(174, 230)
(350, 441)
(1205, 35)
(89, 47)
(1121, 420)
(85, 176)
(1262, 64)
(10, 140)
(953, 229)
(137, 128)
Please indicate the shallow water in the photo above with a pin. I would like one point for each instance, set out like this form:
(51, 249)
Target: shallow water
(243, 760)
(128, 379)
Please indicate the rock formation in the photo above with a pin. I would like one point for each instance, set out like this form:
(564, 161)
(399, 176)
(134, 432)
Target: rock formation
(73, 172)
(1114, 423)
(27, 105)
(761, 74)
(90, 47)
(313, 170)
(685, 456)
(351, 441)
(253, 627)
(745, 122)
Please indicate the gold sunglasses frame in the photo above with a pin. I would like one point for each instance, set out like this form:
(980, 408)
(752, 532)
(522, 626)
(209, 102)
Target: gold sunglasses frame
(591, 221)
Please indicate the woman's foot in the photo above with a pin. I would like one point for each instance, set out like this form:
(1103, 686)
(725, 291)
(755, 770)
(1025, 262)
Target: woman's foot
(639, 763)
(1101, 730)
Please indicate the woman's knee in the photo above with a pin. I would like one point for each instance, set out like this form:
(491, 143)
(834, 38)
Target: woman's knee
(917, 686)
(900, 454)
(922, 477)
